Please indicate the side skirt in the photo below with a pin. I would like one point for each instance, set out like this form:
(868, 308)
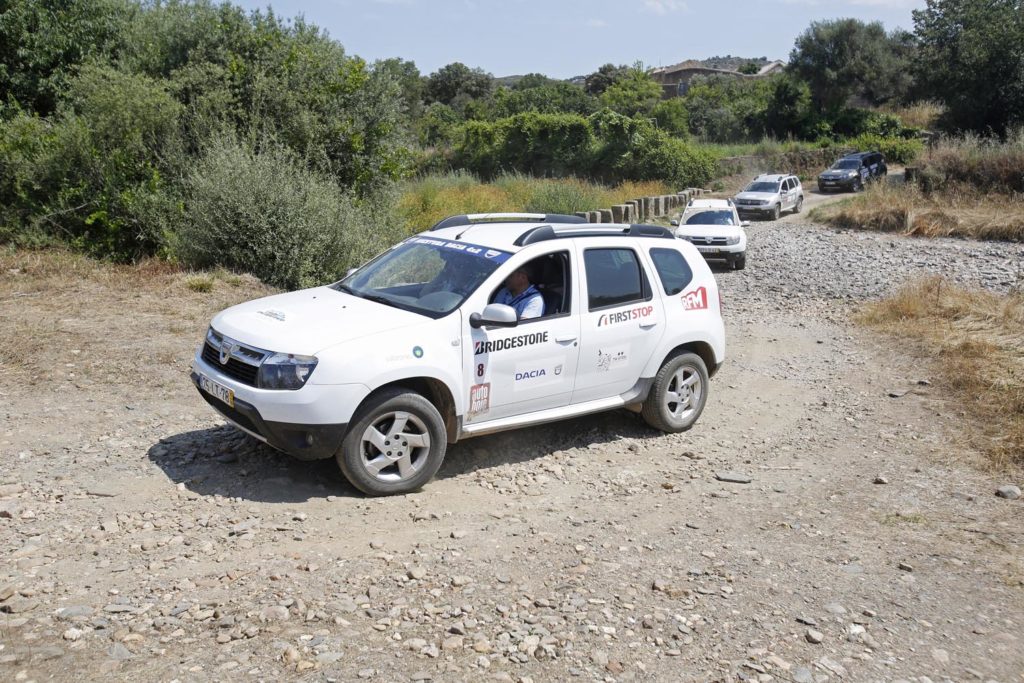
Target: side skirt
(628, 400)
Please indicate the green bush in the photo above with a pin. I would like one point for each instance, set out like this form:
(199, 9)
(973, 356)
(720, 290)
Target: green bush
(895, 149)
(262, 211)
(532, 143)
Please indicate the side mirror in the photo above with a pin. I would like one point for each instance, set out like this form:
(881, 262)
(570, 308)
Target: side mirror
(744, 224)
(494, 315)
(674, 222)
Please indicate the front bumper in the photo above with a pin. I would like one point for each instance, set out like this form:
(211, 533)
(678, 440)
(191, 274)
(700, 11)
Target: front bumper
(839, 184)
(745, 209)
(302, 441)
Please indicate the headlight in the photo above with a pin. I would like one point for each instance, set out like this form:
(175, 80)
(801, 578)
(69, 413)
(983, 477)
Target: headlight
(762, 202)
(735, 239)
(286, 371)
(850, 174)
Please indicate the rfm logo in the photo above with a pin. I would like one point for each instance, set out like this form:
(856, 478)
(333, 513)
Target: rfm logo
(695, 300)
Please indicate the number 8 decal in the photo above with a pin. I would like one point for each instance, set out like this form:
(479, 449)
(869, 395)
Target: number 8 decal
(480, 370)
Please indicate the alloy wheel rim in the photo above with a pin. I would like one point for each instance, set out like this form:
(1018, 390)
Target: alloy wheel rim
(683, 395)
(394, 447)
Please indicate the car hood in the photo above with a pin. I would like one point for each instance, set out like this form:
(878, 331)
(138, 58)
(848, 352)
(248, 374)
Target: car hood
(309, 320)
(764, 196)
(708, 230)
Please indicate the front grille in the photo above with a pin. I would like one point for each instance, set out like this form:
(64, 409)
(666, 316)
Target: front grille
(230, 413)
(749, 202)
(708, 240)
(234, 368)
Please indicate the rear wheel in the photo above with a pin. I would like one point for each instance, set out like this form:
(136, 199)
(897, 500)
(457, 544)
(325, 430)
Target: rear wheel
(395, 444)
(678, 395)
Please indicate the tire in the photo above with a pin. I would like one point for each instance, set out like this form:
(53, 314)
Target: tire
(375, 471)
(799, 205)
(858, 185)
(740, 262)
(658, 409)
(777, 211)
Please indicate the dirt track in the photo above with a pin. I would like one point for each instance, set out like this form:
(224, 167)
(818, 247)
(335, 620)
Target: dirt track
(142, 540)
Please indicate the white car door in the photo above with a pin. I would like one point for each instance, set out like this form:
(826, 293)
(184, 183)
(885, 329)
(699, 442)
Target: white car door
(622, 318)
(530, 367)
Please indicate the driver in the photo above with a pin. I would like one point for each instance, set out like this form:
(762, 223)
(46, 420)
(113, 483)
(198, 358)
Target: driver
(521, 295)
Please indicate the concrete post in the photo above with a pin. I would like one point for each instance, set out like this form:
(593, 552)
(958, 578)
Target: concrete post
(634, 214)
(606, 215)
(619, 213)
(594, 216)
(584, 215)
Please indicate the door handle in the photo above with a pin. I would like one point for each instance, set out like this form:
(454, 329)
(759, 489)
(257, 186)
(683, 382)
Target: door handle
(646, 326)
(566, 339)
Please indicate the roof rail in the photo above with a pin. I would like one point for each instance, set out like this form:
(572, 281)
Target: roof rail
(543, 233)
(474, 218)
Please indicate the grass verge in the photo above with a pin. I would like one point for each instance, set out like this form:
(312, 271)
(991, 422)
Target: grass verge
(976, 341)
(905, 209)
(429, 199)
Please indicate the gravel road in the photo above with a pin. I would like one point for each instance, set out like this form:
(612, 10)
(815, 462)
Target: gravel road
(141, 539)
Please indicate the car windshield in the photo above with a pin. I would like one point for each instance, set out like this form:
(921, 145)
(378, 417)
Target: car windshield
(715, 217)
(762, 187)
(846, 164)
(424, 275)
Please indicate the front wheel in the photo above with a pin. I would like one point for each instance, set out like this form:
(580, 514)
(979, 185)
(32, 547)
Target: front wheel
(858, 185)
(678, 395)
(799, 205)
(777, 211)
(395, 444)
(740, 262)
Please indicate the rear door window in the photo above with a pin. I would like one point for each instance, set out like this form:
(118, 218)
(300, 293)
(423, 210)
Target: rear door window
(614, 278)
(673, 270)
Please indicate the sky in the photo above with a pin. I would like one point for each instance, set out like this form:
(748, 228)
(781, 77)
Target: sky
(565, 38)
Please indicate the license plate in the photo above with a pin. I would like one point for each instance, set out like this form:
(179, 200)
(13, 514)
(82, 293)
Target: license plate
(217, 390)
(707, 250)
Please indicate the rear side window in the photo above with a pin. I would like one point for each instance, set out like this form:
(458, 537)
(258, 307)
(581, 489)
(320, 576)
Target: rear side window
(614, 278)
(673, 270)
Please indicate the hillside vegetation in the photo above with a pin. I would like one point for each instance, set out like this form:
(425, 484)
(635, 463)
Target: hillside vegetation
(204, 134)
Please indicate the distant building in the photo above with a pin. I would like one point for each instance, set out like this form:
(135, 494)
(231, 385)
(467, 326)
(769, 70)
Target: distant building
(675, 80)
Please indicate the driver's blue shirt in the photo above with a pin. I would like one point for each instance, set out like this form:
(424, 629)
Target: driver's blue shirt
(527, 304)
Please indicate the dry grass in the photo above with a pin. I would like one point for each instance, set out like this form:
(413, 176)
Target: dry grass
(427, 200)
(924, 115)
(976, 341)
(69, 318)
(907, 210)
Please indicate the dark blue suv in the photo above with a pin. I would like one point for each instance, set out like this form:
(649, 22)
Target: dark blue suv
(853, 172)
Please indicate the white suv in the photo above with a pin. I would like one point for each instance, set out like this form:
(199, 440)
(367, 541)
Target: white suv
(714, 227)
(770, 195)
(409, 352)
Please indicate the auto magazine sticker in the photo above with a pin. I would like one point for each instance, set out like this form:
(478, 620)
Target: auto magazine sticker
(493, 345)
(636, 313)
(610, 359)
(695, 300)
(479, 399)
(492, 255)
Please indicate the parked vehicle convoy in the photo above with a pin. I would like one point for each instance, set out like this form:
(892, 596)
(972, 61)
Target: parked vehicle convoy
(410, 352)
(769, 195)
(715, 228)
(852, 172)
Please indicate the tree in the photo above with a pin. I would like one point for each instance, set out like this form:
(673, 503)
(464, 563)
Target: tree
(672, 117)
(605, 77)
(42, 41)
(409, 81)
(635, 93)
(971, 56)
(846, 57)
(455, 79)
(789, 108)
(749, 68)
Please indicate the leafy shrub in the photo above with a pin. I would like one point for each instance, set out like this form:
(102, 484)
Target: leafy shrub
(261, 211)
(895, 150)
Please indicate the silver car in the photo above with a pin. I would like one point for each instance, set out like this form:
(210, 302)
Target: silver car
(770, 195)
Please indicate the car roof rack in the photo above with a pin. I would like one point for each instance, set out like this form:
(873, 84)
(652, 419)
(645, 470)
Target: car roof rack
(483, 218)
(543, 233)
